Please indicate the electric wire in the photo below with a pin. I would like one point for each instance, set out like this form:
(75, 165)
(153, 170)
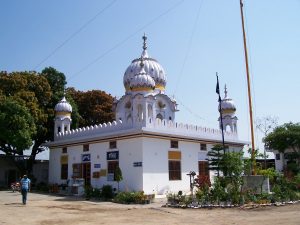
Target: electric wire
(188, 47)
(125, 39)
(185, 60)
(74, 34)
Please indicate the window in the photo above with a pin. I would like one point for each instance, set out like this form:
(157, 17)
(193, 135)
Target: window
(77, 170)
(174, 170)
(64, 150)
(174, 144)
(174, 165)
(86, 148)
(277, 156)
(203, 147)
(64, 172)
(112, 144)
(111, 168)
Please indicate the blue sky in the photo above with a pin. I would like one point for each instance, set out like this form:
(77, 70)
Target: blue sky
(92, 43)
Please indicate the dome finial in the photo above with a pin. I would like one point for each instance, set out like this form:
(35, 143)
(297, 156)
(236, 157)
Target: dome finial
(225, 91)
(144, 43)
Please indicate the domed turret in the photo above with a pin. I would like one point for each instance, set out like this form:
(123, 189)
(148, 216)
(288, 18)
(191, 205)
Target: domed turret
(227, 104)
(142, 81)
(151, 67)
(63, 106)
(62, 121)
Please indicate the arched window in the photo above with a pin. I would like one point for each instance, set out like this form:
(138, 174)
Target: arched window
(159, 116)
(140, 112)
(150, 111)
(228, 128)
(58, 129)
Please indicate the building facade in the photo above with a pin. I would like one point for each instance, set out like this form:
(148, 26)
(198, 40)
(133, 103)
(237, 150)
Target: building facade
(154, 152)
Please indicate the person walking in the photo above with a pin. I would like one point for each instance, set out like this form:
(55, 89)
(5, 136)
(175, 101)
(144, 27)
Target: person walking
(25, 187)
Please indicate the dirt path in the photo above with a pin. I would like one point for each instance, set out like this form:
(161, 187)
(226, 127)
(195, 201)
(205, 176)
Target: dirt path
(48, 210)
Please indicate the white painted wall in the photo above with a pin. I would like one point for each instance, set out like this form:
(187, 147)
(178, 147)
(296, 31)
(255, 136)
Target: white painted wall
(54, 166)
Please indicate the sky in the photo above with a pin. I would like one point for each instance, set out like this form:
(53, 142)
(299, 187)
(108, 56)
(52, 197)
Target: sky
(93, 42)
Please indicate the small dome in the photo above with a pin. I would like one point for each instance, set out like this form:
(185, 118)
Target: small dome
(142, 81)
(151, 67)
(63, 106)
(227, 104)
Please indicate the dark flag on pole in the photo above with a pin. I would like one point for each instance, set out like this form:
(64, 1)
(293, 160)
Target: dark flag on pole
(218, 88)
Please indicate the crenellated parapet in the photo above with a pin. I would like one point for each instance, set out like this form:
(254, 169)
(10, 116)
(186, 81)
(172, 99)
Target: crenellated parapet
(93, 130)
(189, 129)
(165, 126)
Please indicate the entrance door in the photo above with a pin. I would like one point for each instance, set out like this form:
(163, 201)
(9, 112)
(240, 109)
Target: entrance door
(203, 178)
(86, 173)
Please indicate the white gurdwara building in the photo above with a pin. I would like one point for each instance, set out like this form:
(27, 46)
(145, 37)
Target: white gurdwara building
(154, 152)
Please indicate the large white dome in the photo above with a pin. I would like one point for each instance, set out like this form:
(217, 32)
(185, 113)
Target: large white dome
(151, 67)
(63, 106)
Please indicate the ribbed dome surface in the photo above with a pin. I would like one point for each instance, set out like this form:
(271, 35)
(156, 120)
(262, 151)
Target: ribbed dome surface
(63, 106)
(142, 81)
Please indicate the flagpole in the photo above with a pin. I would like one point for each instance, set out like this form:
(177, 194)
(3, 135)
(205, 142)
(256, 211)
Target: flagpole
(220, 110)
(249, 91)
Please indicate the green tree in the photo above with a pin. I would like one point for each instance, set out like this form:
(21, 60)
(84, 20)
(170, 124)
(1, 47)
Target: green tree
(234, 166)
(16, 127)
(215, 159)
(94, 106)
(118, 176)
(38, 93)
(285, 137)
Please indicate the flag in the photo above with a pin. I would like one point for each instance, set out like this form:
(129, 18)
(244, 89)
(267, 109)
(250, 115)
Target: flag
(217, 87)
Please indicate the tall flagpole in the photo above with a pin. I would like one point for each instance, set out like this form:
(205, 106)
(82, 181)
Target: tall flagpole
(249, 91)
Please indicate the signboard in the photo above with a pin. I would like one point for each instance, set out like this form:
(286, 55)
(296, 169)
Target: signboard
(98, 166)
(102, 173)
(112, 155)
(64, 159)
(86, 157)
(137, 164)
(96, 174)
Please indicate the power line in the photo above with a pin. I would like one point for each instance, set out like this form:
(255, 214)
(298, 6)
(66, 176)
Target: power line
(188, 47)
(74, 34)
(126, 39)
(191, 111)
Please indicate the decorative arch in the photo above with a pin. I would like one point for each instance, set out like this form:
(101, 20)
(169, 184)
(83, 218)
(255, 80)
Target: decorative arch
(159, 116)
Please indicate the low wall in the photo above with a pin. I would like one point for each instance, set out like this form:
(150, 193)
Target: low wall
(258, 183)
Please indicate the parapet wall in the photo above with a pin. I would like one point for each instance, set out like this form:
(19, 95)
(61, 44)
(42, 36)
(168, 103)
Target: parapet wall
(190, 129)
(157, 125)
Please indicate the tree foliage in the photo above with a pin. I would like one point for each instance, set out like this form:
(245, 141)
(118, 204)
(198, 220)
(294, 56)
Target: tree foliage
(16, 127)
(118, 176)
(28, 99)
(33, 91)
(94, 106)
(215, 159)
(286, 136)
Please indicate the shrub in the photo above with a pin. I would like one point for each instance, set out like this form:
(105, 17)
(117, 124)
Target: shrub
(130, 197)
(107, 192)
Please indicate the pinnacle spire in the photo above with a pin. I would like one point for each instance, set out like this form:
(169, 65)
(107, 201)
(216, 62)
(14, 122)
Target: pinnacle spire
(225, 91)
(145, 43)
(144, 53)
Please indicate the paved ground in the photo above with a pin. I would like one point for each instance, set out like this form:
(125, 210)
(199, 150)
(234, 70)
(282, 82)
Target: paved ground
(48, 209)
